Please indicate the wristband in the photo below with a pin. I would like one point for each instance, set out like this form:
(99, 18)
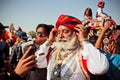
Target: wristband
(84, 40)
(49, 43)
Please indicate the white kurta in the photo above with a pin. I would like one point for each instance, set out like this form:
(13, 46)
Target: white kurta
(100, 14)
(97, 62)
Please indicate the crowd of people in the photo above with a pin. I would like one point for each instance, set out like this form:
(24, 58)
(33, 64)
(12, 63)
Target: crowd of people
(70, 50)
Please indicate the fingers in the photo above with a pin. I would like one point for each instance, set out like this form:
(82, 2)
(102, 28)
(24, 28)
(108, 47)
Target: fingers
(25, 63)
(81, 32)
(31, 63)
(27, 53)
(30, 58)
(80, 27)
(54, 31)
(52, 35)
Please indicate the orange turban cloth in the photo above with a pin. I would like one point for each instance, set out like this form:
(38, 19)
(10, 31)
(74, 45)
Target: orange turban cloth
(68, 21)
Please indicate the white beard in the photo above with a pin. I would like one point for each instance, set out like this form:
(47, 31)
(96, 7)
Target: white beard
(64, 44)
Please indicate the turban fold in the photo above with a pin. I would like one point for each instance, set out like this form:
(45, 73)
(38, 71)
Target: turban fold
(68, 21)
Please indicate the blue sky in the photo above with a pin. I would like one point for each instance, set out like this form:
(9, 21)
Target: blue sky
(29, 13)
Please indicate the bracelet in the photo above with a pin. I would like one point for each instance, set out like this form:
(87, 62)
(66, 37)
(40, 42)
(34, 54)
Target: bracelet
(84, 40)
(48, 42)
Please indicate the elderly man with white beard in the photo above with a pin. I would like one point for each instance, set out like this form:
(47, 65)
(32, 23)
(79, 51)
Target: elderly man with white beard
(72, 56)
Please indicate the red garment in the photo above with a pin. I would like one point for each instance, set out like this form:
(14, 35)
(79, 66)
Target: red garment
(7, 36)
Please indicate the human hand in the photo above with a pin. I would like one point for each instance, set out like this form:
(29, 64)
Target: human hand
(106, 26)
(25, 63)
(52, 35)
(81, 32)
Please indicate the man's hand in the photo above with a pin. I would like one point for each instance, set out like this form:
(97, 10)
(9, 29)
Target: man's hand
(52, 35)
(26, 63)
(81, 32)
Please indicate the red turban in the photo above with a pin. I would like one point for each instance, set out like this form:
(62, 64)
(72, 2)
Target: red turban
(100, 3)
(68, 21)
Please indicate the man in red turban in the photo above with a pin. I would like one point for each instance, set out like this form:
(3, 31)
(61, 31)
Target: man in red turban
(72, 57)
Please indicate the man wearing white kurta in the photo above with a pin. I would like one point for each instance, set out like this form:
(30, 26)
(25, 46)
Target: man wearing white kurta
(70, 48)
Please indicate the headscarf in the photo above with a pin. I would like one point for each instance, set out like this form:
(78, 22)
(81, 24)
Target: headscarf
(68, 21)
(101, 3)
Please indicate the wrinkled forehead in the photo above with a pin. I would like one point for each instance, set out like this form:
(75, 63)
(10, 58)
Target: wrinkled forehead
(62, 27)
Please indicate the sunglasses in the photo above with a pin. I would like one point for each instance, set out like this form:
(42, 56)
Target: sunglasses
(41, 34)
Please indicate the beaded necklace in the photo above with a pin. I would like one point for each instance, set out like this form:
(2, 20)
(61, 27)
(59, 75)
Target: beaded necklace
(60, 59)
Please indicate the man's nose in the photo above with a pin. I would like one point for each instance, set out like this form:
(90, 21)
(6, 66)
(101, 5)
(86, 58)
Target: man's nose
(60, 35)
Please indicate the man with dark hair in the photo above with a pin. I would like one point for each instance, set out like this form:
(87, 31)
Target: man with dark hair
(42, 34)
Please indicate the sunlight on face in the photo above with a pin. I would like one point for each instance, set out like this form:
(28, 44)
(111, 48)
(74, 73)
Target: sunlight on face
(64, 32)
(41, 35)
(65, 37)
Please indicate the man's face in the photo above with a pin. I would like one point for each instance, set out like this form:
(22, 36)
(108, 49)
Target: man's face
(64, 33)
(65, 37)
(41, 35)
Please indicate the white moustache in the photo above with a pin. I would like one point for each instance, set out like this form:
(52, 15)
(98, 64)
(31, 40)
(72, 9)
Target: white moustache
(62, 40)
(62, 43)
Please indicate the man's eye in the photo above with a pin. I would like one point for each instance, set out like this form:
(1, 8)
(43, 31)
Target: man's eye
(58, 32)
(65, 31)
